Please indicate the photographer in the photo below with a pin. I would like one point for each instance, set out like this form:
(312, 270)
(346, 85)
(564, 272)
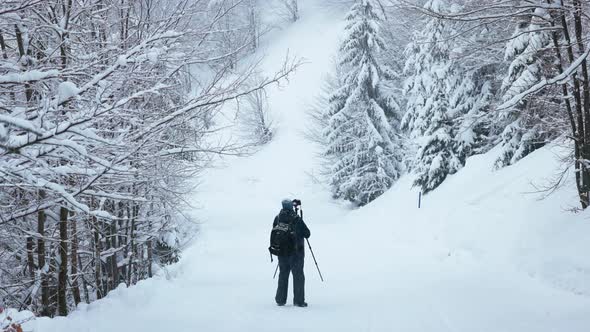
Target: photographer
(294, 262)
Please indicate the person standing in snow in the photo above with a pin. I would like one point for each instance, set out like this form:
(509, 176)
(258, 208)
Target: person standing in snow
(293, 263)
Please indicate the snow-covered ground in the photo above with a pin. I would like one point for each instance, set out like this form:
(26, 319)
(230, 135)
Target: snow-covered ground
(480, 255)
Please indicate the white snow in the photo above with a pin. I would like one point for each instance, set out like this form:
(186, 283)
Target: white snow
(66, 91)
(20, 123)
(480, 255)
(28, 76)
(8, 317)
(122, 61)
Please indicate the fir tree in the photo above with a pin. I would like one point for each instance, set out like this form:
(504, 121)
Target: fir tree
(429, 117)
(522, 133)
(445, 107)
(469, 107)
(361, 138)
(437, 156)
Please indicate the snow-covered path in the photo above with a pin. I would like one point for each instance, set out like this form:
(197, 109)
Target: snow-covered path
(384, 272)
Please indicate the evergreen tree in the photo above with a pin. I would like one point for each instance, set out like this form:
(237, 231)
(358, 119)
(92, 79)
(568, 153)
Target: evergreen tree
(362, 141)
(437, 156)
(470, 99)
(429, 117)
(445, 107)
(415, 87)
(522, 132)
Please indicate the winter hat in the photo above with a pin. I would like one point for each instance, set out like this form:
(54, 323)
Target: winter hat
(287, 204)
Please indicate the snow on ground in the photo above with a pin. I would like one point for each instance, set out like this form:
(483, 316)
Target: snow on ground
(480, 255)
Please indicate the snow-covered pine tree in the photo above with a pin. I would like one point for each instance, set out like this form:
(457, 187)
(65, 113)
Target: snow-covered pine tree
(429, 116)
(470, 99)
(361, 133)
(523, 134)
(414, 88)
(437, 155)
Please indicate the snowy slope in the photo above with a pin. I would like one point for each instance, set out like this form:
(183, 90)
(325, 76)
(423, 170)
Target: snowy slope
(481, 255)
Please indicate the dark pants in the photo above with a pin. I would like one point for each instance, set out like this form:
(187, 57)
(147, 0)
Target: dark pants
(291, 264)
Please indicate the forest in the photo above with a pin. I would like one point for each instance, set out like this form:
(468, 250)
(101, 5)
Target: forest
(110, 109)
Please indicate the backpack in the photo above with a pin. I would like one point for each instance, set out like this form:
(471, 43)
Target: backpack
(282, 239)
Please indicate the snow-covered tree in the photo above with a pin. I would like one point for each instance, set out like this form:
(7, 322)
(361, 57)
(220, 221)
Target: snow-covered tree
(290, 9)
(415, 87)
(429, 117)
(100, 134)
(469, 108)
(254, 119)
(546, 82)
(437, 154)
(523, 133)
(362, 136)
(445, 107)
(238, 28)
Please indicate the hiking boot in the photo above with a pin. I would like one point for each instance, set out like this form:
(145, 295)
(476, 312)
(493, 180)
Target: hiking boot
(301, 305)
(280, 304)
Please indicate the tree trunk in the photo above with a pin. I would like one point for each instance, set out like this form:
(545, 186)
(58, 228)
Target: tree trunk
(253, 22)
(149, 258)
(41, 218)
(132, 244)
(3, 46)
(97, 261)
(52, 279)
(581, 169)
(22, 52)
(31, 257)
(295, 8)
(62, 305)
(84, 282)
(114, 261)
(63, 47)
(5, 56)
(566, 97)
(578, 27)
(124, 239)
(109, 258)
(74, 263)
(124, 12)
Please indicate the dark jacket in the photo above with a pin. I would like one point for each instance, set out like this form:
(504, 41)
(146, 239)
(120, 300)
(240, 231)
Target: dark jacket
(300, 228)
